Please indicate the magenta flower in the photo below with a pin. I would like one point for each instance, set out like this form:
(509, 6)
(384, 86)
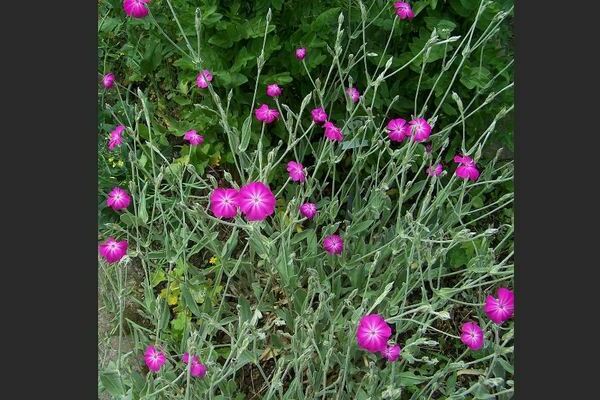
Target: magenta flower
(332, 132)
(435, 170)
(333, 244)
(203, 78)
(403, 10)
(116, 137)
(273, 90)
(471, 335)
(112, 251)
(118, 199)
(308, 210)
(353, 93)
(373, 333)
(256, 201)
(193, 138)
(319, 115)
(108, 80)
(466, 168)
(136, 8)
(266, 114)
(391, 353)
(398, 129)
(198, 370)
(420, 129)
(300, 53)
(296, 171)
(500, 309)
(223, 202)
(154, 358)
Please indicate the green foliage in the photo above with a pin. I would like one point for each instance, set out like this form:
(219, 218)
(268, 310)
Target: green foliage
(271, 314)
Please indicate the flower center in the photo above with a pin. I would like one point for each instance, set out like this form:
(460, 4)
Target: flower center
(256, 200)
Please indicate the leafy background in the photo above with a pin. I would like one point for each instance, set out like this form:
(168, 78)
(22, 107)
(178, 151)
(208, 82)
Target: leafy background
(232, 35)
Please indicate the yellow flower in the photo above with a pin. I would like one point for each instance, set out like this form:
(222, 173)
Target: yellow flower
(120, 163)
(213, 260)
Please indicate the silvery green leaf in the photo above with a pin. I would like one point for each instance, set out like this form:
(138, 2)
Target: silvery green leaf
(354, 143)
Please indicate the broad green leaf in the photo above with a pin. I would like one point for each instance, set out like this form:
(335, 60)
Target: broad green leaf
(506, 365)
(157, 277)
(246, 134)
(110, 24)
(221, 39)
(355, 229)
(189, 300)
(152, 57)
(230, 245)
(258, 244)
(244, 311)
(409, 379)
(142, 212)
(327, 19)
(475, 77)
(112, 382)
(231, 79)
(130, 220)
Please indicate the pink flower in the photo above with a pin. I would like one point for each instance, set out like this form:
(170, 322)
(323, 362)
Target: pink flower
(116, 139)
(118, 199)
(136, 8)
(403, 10)
(154, 358)
(332, 132)
(466, 168)
(373, 333)
(203, 78)
(296, 171)
(198, 370)
(112, 251)
(223, 202)
(256, 201)
(300, 53)
(318, 115)
(391, 353)
(308, 210)
(266, 114)
(398, 129)
(333, 244)
(193, 137)
(273, 90)
(435, 170)
(108, 80)
(502, 308)
(471, 335)
(353, 93)
(420, 129)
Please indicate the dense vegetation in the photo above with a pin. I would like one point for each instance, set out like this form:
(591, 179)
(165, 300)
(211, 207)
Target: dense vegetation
(267, 309)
